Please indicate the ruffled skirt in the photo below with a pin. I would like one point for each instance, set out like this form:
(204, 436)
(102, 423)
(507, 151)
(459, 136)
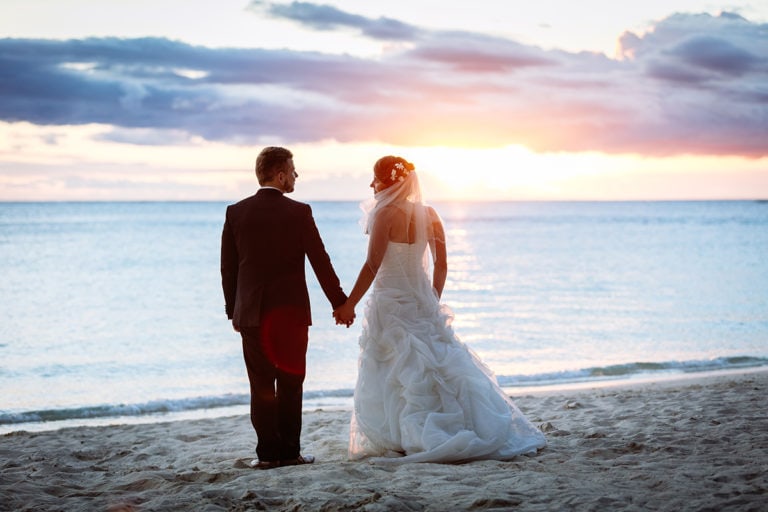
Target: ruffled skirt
(424, 396)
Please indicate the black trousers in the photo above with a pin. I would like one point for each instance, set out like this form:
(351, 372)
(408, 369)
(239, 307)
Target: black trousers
(275, 357)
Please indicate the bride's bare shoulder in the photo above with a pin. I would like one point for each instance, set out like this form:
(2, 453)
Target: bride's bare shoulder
(434, 217)
(389, 212)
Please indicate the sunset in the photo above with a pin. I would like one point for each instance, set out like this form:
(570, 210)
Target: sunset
(383, 255)
(107, 100)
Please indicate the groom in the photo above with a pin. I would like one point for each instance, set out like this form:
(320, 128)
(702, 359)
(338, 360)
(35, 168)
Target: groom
(265, 240)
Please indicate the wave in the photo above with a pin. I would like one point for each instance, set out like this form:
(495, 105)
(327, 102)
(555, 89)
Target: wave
(594, 374)
(628, 370)
(148, 408)
(120, 410)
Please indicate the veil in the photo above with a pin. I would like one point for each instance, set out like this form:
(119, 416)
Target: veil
(403, 195)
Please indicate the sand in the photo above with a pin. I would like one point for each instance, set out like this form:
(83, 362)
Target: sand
(686, 445)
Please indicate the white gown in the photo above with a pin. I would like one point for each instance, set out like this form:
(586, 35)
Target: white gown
(421, 394)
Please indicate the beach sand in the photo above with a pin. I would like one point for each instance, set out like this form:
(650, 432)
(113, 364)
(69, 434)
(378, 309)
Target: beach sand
(698, 444)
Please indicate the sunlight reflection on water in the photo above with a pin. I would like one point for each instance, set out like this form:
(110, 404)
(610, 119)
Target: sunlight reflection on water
(121, 302)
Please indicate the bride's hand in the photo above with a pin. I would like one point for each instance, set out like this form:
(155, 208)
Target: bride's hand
(344, 314)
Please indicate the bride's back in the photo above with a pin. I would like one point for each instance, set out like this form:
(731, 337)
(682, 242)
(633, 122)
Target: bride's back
(402, 227)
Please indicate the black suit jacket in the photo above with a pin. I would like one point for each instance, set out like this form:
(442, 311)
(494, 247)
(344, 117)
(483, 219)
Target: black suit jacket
(263, 247)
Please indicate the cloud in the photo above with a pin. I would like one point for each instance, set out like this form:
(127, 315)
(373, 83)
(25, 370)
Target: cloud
(726, 46)
(692, 84)
(326, 17)
(716, 55)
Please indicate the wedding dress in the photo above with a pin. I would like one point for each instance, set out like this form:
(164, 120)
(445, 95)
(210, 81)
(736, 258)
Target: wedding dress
(421, 394)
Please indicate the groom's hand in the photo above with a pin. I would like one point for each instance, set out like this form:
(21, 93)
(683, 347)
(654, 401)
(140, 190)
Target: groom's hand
(340, 321)
(344, 315)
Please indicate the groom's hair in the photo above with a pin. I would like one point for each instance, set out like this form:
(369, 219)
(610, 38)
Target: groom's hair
(271, 161)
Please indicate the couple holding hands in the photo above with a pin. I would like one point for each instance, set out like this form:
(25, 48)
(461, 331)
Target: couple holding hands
(421, 394)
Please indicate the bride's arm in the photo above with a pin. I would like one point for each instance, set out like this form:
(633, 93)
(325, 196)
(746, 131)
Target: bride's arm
(377, 246)
(439, 253)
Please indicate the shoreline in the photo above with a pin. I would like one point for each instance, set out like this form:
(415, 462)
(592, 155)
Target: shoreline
(637, 381)
(698, 443)
(346, 402)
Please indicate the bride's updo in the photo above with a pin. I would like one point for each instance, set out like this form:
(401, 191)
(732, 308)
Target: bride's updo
(392, 169)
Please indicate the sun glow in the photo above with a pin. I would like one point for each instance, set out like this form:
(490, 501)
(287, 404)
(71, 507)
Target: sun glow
(514, 172)
(497, 173)
(103, 162)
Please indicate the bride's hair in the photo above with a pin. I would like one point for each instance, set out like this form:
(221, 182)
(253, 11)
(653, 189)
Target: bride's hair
(392, 169)
(401, 188)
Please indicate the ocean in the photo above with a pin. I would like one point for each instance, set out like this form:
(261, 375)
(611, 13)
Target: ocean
(112, 312)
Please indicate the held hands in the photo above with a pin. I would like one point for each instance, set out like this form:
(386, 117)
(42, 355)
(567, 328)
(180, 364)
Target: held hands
(344, 314)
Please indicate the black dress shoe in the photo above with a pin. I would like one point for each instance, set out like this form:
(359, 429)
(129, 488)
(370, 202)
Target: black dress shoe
(298, 461)
(264, 464)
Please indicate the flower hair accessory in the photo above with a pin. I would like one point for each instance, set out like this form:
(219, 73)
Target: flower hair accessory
(399, 172)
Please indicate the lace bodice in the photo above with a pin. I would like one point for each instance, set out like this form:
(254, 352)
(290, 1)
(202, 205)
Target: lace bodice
(401, 261)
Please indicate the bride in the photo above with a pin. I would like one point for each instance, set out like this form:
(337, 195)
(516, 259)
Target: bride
(421, 394)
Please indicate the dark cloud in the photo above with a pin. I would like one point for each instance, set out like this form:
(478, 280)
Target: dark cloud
(473, 53)
(716, 54)
(326, 17)
(693, 84)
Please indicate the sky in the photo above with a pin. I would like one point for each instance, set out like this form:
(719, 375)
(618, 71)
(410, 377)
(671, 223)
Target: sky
(491, 100)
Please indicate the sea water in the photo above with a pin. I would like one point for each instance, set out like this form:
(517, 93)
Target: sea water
(113, 311)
